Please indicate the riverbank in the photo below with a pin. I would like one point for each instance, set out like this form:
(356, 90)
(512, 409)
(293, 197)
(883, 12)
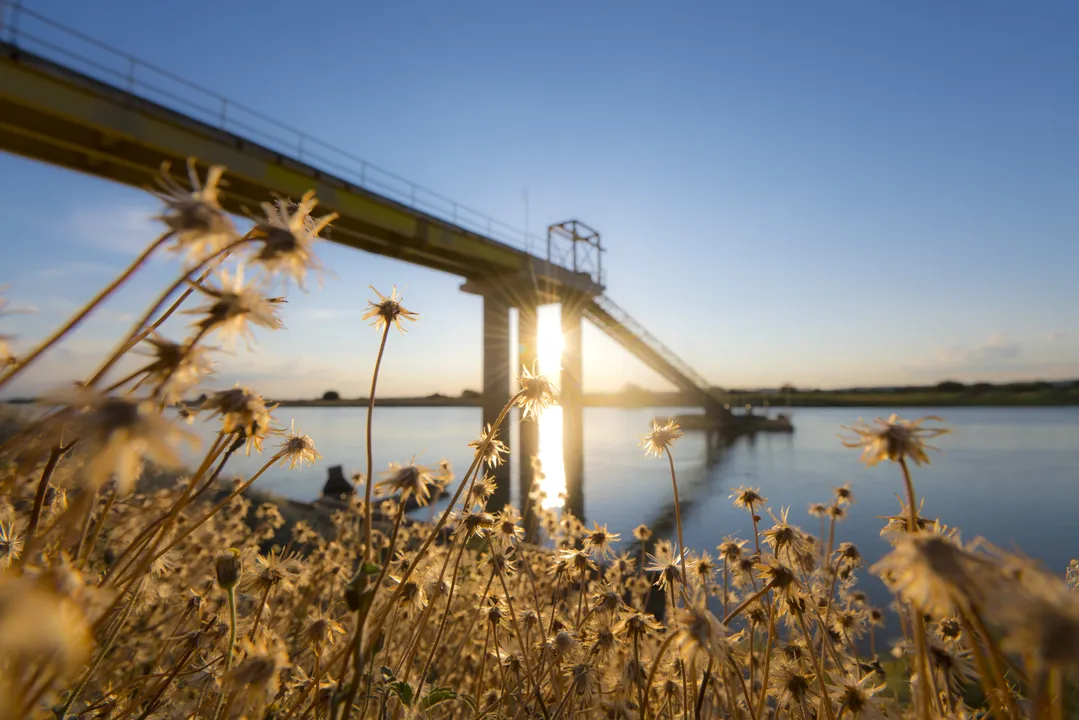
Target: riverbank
(1037, 398)
(984, 395)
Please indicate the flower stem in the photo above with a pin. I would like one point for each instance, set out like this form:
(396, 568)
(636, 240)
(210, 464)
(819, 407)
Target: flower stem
(678, 520)
(912, 508)
(39, 498)
(767, 657)
(480, 453)
(745, 603)
(368, 552)
(441, 624)
(918, 624)
(217, 508)
(78, 317)
(655, 666)
(134, 335)
(228, 648)
(520, 639)
(102, 653)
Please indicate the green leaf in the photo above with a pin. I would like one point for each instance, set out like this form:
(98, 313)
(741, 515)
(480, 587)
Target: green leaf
(387, 673)
(436, 696)
(404, 691)
(370, 569)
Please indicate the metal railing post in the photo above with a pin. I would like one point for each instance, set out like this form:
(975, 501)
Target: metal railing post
(130, 74)
(224, 112)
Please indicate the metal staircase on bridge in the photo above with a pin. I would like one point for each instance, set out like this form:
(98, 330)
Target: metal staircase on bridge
(630, 334)
(72, 101)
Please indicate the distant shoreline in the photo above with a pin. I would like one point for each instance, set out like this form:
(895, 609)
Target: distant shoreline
(946, 395)
(823, 399)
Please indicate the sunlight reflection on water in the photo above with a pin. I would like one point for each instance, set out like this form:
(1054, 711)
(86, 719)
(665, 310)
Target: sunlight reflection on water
(549, 342)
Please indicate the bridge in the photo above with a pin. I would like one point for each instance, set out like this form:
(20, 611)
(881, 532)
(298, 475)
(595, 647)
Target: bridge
(72, 101)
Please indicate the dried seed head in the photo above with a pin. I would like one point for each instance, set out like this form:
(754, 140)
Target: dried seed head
(894, 439)
(229, 567)
(388, 311)
(660, 438)
(537, 393)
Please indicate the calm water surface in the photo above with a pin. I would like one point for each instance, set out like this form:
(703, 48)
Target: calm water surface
(1008, 474)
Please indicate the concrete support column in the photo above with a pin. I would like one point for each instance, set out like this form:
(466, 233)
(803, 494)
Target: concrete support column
(528, 430)
(572, 407)
(496, 384)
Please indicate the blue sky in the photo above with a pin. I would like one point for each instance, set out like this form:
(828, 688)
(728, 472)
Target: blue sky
(827, 194)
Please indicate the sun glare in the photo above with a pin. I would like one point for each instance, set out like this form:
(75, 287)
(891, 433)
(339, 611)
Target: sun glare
(549, 346)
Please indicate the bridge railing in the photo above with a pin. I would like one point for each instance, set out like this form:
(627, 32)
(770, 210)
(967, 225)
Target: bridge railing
(668, 355)
(25, 28)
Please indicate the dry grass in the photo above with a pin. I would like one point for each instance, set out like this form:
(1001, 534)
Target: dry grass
(121, 601)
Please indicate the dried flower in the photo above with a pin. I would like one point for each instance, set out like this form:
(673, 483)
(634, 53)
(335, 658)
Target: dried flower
(39, 624)
(298, 450)
(244, 413)
(702, 633)
(388, 311)
(490, 446)
(194, 217)
(321, 630)
(855, 697)
(234, 308)
(410, 480)
(10, 544)
(935, 574)
(748, 498)
(598, 541)
(731, 549)
(789, 685)
(176, 368)
(277, 569)
(474, 523)
(228, 566)
(894, 439)
(256, 679)
(287, 235)
(537, 393)
(666, 564)
(660, 438)
(116, 434)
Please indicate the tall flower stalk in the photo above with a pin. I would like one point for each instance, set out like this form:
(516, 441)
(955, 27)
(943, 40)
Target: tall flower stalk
(384, 313)
(656, 443)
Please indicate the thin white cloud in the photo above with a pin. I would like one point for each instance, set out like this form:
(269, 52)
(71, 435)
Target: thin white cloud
(1055, 336)
(78, 268)
(125, 229)
(998, 348)
(324, 313)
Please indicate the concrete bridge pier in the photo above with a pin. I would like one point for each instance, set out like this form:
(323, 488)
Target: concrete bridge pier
(572, 401)
(497, 384)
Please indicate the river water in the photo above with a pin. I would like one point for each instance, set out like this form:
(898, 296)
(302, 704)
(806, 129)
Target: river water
(1010, 475)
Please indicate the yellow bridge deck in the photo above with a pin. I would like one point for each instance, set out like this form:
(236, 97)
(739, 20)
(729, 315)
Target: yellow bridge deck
(51, 113)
